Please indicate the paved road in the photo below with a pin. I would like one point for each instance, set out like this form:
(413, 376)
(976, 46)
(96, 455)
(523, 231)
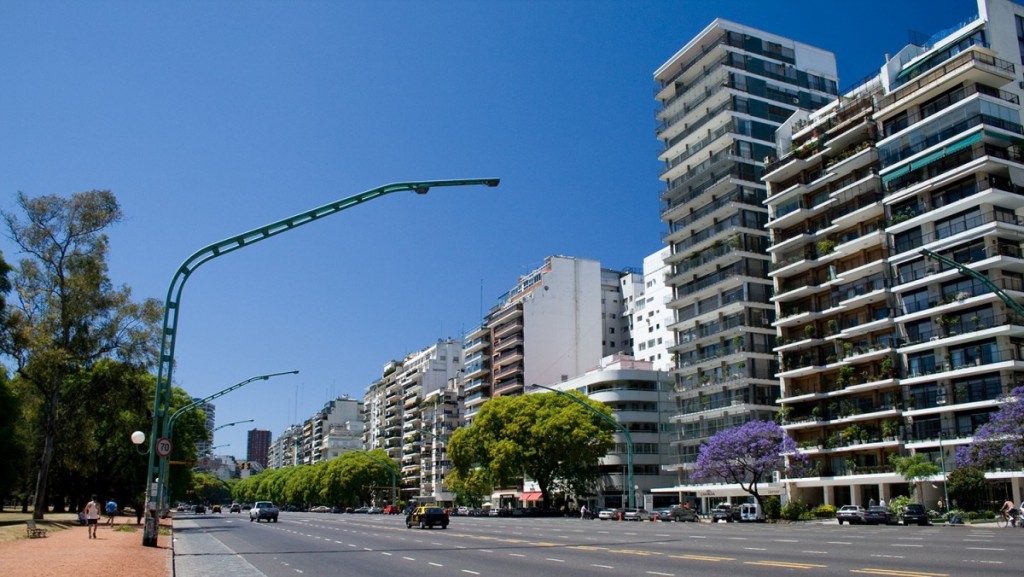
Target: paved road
(307, 544)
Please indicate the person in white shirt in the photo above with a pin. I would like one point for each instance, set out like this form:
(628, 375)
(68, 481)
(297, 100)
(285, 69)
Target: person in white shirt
(92, 516)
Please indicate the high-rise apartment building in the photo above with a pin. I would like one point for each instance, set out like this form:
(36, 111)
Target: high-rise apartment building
(258, 446)
(722, 96)
(897, 215)
(557, 322)
(645, 299)
(205, 446)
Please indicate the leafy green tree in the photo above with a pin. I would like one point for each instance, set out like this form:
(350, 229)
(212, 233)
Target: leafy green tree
(471, 488)
(547, 437)
(966, 487)
(915, 469)
(209, 488)
(13, 457)
(66, 314)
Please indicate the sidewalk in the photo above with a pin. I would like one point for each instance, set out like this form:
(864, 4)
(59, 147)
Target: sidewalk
(67, 550)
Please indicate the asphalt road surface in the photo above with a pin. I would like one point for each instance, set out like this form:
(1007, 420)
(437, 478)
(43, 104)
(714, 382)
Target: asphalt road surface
(325, 544)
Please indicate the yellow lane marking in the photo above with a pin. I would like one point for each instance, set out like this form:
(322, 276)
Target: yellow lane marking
(634, 552)
(895, 573)
(702, 558)
(786, 564)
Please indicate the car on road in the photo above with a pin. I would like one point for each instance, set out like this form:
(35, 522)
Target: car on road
(725, 512)
(199, 509)
(375, 510)
(263, 511)
(427, 518)
(320, 509)
(636, 515)
(852, 514)
(879, 515)
(608, 514)
(236, 508)
(915, 513)
(683, 513)
(216, 508)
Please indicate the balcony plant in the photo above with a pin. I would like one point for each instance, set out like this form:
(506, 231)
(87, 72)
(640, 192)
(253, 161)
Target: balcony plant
(833, 326)
(825, 247)
(890, 429)
(886, 367)
(809, 331)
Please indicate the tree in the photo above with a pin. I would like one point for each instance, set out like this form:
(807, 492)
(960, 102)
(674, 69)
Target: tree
(546, 437)
(12, 438)
(748, 455)
(966, 487)
(66, 314)
(1000, 441)
(915, 469)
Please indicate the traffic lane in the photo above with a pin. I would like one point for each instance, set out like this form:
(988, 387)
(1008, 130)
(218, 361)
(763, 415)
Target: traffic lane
(755, 546)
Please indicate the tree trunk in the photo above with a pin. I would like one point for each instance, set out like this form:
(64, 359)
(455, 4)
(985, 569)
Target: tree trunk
(39, 506)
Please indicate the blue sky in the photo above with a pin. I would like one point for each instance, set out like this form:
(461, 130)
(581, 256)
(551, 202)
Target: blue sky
(207, 119)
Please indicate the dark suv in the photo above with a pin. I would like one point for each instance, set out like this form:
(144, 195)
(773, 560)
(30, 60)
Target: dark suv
(915, 513)
(725, 512)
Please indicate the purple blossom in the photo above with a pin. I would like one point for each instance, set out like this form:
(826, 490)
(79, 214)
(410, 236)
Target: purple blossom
(747, 454)
(1001, 439)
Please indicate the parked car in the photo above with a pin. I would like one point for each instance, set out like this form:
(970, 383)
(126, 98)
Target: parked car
(392, 510)
(608, 514)
(375, 510)
(263, 511)
(915, 513)
(636, 515)
(320, 509)
(677, 513)
(361, 510)
(236, 508)
(725, 512)
(879, 515)
(852, 514)
(427, 518)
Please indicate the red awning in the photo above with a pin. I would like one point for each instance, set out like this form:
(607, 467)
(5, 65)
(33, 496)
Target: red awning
(531, 496)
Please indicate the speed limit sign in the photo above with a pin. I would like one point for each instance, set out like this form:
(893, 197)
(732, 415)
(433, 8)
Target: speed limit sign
(163, 447)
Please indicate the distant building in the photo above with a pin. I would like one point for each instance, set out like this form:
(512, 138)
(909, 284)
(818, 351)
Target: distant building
(258, 446)
(204, 447)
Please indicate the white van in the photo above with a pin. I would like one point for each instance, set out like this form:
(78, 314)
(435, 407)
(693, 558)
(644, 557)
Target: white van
(750, 512)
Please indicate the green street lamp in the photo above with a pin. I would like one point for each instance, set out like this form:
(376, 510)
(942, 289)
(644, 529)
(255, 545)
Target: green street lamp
(232, 424)
(160, 485)
(630, 487)
(162, 395)
(389, 465)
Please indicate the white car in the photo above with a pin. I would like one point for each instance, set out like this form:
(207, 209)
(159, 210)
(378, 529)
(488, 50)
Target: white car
(608, 515)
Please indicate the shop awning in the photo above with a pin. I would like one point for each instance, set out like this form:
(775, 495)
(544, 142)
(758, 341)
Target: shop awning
(529, 496)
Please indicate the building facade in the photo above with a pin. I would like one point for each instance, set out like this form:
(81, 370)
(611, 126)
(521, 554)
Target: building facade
(722, 97)
(258, 446)
(896, 215)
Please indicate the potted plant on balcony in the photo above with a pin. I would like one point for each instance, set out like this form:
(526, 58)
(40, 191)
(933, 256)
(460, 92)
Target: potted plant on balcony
(886, 367)
(825, 247)
(816, 412)
(976, 320)
(833, 326)
(890, 429)
(809, 331)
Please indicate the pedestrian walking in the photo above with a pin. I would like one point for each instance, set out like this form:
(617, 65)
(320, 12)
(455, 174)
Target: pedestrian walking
(92, 516)
(111, 511)
(881, 502)
(583, 512)
(871, 502)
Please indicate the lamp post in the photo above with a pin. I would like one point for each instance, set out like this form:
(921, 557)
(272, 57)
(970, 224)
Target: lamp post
(394, 476)
(945, 481)
(618, 427)
(162, 395)
(232, 424)
(158, 492)
(219, 447)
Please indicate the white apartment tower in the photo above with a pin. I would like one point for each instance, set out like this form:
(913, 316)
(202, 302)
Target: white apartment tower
(645, 300)
(722, 97)
(897, 215)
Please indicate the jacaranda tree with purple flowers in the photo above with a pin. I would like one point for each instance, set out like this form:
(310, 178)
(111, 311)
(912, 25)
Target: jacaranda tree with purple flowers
(748, 455)
(1000, 441)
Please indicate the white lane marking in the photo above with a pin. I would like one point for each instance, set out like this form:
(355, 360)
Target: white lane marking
(601, 566)
(657, 573)
(470, 572)
(985, 549)
(516, 555)
(906, 545)
(755, 549)
(838, 543)
(409, 558)
(436, 564)
(555, 560)
(786, 540)
(816, 552)
(697, 536)
(385, 553)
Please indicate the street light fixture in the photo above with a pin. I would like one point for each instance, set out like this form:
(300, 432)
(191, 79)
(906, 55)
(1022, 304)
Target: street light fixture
(162, 394)
(158, 492)
(618, 427)
(232, 424)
